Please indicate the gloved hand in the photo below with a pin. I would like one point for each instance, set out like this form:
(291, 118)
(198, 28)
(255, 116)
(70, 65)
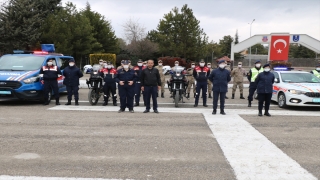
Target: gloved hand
(40, 75)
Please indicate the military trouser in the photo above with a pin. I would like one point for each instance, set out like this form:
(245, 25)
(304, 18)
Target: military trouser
(209, 86)
(191, 83)
(235, 84)
(163, 82)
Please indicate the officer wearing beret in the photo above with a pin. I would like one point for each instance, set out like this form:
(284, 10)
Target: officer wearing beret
(219, 78)
(252, 75)
(72, 75)
(125, 78)
(264, 83)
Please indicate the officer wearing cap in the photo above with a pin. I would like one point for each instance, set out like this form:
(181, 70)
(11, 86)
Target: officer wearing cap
(137, 87)
(50, 74)
(238, 74)
(209, 82)
(176, 64)
(201, 73)
(72, 75)
(252, 75)
(219, 78)
(316, 71)
(162, 77)
(108, 74)
(125, 78)
(264, 83)
(191, 81)
(101, 63)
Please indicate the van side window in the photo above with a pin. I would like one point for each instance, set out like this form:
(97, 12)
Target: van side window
(64, 62)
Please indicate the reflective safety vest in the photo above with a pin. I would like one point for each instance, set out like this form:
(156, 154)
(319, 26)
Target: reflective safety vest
(254, 73)
(316, 73)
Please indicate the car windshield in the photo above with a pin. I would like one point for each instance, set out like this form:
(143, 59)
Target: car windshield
(20, 63)
(299, 78)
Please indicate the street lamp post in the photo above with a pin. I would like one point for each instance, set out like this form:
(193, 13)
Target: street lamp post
(212, 57)
(250, 46)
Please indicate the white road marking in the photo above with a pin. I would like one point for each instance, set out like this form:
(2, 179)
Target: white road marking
(250, 154)
(3, 177)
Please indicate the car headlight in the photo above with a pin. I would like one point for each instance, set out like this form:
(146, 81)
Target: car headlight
(293, 91)
(31, 80)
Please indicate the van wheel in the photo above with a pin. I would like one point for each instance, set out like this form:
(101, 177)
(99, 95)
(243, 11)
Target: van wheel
(282, 100)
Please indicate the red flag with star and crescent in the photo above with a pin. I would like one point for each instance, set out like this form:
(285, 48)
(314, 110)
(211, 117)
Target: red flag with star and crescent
(279, 47)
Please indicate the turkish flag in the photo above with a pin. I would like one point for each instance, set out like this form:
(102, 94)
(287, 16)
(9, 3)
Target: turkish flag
(279, 47)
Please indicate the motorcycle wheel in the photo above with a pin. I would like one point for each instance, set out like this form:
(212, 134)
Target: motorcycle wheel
(93, 99)
(176, 99)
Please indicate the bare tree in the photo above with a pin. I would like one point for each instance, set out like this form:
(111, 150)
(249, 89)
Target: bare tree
(133, 31)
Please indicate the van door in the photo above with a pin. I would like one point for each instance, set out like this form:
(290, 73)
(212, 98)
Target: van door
(63, 62)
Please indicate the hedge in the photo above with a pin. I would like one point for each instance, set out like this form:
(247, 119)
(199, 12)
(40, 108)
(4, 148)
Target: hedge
(94, 58)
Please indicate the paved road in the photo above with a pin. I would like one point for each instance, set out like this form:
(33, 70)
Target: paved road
(178, 143)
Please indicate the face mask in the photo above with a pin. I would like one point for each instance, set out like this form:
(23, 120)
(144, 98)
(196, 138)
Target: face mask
(139, 64)
(201, 64)
(222, 66)
(144, 65)
(49, 63)
(209, 66)
(126, 66)
(318, 69)
(266, 69)
(160, 64)
(192, 66)
(258, 65)
(176, 64)
(109, 66)
(71, 64)
(239, 66)
(100, 63)
(105, 66)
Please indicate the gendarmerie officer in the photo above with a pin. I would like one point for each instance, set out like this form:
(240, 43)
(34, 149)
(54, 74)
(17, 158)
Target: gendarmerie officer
(108, 73)
(150, 84)
(219, 78)
(125, 78)
(264, 83)
(50, 74)
(252, 75)
(72, 75)
(201, 73)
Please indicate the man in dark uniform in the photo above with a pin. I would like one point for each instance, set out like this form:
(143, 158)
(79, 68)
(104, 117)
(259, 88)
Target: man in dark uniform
(219, 78)
(50, 74)
(150, 84)
(125, 78)
(72, 75)
(264, 83)
(137, 87)
(201, 73)
(108, 73)
(252, 75)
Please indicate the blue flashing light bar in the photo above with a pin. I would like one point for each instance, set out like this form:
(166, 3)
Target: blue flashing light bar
(48, 48)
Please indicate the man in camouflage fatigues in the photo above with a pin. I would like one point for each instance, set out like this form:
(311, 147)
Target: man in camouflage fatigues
(191, 81)
(238, 74)
(209, 82)
(162, 77)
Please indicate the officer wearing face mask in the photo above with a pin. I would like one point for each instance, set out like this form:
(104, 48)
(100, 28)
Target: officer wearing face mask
(252, 75)
(72, 75)
(209, 82)
(101, 63)
(316, 72)
(176, 64)
(191, 81)
(108, 74)
(238, 74)
(264, 83)
(137, 87)
(201, 73)
(125, 78)
(219, 78)
(162, 77)
(50, 74)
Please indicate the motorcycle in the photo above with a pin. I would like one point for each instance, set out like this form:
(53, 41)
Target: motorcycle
(178, 85)
(95, 85)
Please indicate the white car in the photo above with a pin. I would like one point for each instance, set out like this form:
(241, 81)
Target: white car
(296, 88)
(87, 69)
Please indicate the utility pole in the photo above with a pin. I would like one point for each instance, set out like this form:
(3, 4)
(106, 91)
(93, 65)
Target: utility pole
(250, 46)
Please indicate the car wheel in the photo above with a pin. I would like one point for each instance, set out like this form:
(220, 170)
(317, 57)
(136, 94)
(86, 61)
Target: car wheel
(282, 100)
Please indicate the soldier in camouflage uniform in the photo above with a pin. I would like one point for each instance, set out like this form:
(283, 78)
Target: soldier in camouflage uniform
(191, 81)
(209, 82)
(162, 77)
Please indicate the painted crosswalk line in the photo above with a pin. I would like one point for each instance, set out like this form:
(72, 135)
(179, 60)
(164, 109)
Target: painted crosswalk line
(2, 177)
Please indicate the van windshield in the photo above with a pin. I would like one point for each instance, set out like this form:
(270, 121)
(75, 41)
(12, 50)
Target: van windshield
(20, 63)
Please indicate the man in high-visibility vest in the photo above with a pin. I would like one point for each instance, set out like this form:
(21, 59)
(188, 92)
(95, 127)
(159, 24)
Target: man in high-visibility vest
(316, 72)
(252, 75)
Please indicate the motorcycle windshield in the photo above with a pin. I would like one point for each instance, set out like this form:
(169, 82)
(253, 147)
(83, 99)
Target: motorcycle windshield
(96, 67)
(178, 69)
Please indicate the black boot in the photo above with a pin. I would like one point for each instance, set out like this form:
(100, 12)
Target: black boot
(46, 103)
(76, 102)
(241, 96)
(249, 103)
(69, 102)
(226, 97)
(188, 96)
(162, 95)
(222, 112)
(136, 104)
(214, 111)
(114, 102)
(232, 96)
(210, 96)
(106, 99)
(57, 101)
(267, 113)
(260, 113)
